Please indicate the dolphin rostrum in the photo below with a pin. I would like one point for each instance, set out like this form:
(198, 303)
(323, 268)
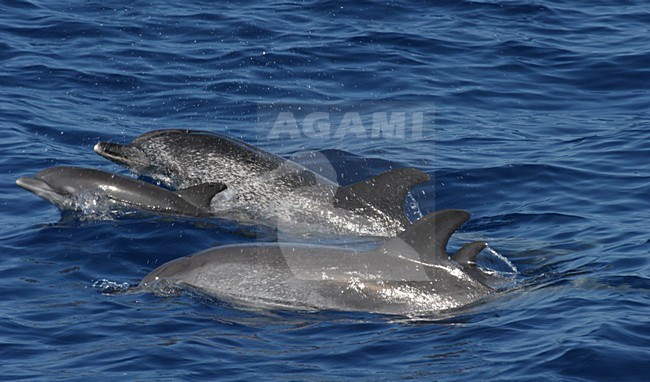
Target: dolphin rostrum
(410, 274)
(76, 188)
(268, 189)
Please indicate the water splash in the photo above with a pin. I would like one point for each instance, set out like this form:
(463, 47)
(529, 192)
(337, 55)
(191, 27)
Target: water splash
(110, 287)
(412, 207)
(496, 263)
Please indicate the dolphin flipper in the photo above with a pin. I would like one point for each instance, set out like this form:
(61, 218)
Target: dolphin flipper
(201, 195)
(386, 192)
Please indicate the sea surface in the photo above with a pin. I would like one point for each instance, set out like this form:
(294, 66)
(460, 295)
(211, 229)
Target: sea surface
(537, 122)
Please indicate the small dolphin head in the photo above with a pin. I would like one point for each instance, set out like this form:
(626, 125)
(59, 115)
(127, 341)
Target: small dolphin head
(56, 185)
(128, 156)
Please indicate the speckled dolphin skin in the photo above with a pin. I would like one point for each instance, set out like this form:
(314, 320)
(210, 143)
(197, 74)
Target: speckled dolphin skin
(268, 189)
(410, 274)
(90, 190)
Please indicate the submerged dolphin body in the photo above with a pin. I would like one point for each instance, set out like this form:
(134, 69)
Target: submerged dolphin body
(268, 189)
(76, 188)
(409, 274)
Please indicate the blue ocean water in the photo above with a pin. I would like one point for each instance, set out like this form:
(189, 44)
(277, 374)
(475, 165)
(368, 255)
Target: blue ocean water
(541, 131)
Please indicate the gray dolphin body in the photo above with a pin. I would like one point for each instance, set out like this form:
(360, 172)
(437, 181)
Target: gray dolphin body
(268, 189)
(89, 190)
(410, 274)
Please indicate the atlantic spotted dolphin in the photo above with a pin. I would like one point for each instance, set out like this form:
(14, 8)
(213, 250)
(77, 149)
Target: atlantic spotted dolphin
(411, 273)
(266, 188)
(76, 188)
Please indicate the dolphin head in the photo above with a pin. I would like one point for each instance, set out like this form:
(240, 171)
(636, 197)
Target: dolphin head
(57, 185)
(148, 155)
(129, 156)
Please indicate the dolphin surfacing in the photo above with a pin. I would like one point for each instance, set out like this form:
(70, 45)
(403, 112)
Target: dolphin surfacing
(83, 189)
(410, 274)
(265, 188)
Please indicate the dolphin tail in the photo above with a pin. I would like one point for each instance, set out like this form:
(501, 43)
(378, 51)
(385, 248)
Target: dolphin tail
(201, 195)
(429, 235)
(384, 192)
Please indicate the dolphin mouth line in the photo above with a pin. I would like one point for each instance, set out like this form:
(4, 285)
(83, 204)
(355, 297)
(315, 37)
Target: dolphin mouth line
(101, 149)
(122, 154)
(33, 184)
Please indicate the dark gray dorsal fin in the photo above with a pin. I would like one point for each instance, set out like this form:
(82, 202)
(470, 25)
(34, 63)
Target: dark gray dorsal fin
(467, 254)
(201, 195)
(466, 257)
(429, 235)
(384, 192)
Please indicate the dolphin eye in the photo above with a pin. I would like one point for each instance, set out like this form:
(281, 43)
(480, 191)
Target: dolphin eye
(69, 189)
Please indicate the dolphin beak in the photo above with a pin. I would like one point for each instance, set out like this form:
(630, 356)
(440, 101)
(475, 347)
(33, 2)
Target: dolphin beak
(32, 184)
(124, 155)
(39, 187)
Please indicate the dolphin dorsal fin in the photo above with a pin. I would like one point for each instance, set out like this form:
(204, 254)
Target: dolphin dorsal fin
(201, 195)
(429, 235)
(466, 257)
(385, 192)
(467, 254)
